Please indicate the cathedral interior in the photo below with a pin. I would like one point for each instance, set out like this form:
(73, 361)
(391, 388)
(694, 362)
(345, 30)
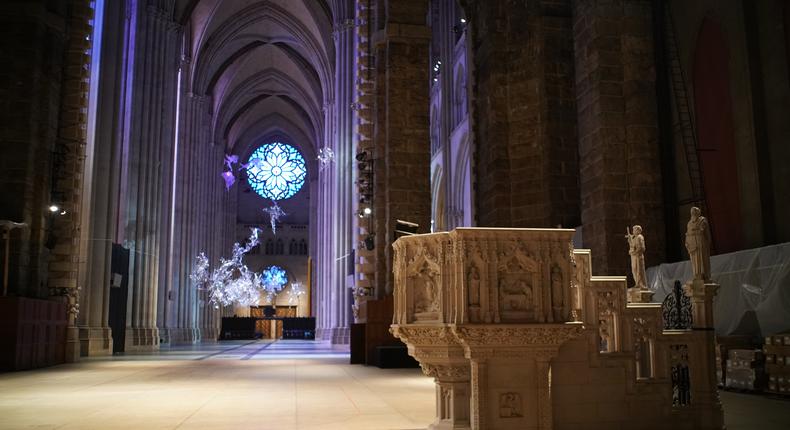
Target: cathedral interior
(395, 214)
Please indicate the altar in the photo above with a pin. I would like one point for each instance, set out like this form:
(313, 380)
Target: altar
(268, 322)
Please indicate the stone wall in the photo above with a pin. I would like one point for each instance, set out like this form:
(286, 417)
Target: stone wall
(33, 38)
(759, 86)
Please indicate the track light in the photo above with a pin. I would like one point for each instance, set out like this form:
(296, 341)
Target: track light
(365, 212)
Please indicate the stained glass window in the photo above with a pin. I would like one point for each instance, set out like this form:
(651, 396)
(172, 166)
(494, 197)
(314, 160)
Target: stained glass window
(274, 278)
(276, 171)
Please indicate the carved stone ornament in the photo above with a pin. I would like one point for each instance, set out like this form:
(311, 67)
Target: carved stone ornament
(446, 373)
(606, 302)
(418, 335)
(521, 335)
(511, 405)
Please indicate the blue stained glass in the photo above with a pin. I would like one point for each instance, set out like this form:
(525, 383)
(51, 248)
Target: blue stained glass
(274, 277)
(276, 171)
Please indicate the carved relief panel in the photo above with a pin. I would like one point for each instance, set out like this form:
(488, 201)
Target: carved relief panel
(511, 405)
(418, 278)
(516, 295)
(424, 279)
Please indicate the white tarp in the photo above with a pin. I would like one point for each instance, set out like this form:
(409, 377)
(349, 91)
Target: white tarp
(754, 298)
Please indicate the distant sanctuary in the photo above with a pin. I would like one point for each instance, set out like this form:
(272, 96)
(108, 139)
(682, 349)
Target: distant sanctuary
(550, 205)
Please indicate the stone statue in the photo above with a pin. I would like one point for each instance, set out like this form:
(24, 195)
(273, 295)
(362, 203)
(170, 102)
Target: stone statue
(603, 335)
(636, 249)
(698, 244)
(527, 291)
(427, 299)
(474, 287)
(557, 294)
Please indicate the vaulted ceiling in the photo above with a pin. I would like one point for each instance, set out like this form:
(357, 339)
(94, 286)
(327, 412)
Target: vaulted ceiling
(267, 66)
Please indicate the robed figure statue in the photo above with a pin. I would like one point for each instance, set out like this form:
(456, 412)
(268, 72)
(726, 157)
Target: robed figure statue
(698, 244)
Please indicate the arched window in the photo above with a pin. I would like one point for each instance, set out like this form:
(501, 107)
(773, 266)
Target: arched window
(303, 247)
(280, 247)
(292, 247)
(269, 247)
(276, 171)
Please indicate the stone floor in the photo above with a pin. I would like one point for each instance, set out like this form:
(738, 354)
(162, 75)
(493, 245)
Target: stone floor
(252, 385)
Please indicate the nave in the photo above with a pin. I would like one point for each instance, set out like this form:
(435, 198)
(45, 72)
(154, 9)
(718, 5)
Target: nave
(233, 384)
(282, 385)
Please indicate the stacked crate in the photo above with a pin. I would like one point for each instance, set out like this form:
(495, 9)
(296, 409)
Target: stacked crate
(726, 343)
(745, 369)
(777, 363)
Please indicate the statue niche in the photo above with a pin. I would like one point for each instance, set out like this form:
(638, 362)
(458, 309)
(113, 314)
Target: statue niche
(517, 289)
(423, 273)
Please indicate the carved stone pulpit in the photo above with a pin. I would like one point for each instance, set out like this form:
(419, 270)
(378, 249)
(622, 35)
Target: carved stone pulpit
(484, 310)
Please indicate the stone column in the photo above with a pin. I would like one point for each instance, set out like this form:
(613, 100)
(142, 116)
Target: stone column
(150, 143)
(104, 173)
(704, 391)
(186, 327)
(620, 162)
(68, 165)
(523, 113)
(442, 358)
(343, 166)
(402, 140)
(327, 288)
(364, 102)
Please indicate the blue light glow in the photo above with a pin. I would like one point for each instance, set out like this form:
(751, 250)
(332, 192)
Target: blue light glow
(274, 278)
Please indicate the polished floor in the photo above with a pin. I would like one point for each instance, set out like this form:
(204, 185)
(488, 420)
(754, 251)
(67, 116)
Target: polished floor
(231, 385)
(253, 385)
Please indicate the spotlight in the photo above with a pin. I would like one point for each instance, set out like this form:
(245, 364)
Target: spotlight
(54, 208)
(362, 156)
(367, 211)
(463, 20)
(63, 212)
